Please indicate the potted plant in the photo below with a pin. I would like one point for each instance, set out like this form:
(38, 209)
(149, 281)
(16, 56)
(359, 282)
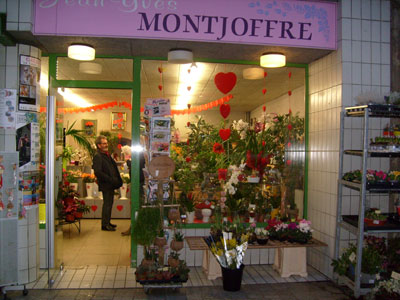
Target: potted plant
(146, 226)
(81, 209)
(373, 217)
(141, 273)
(387, 289)
(186, 201)
(262, 236)
(177, 242)
(173, 259)
(150, 257)
(300, 232)
(160, 240)
(183, 271)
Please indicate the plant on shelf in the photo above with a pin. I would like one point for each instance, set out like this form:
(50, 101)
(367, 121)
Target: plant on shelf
(183, 271)
(160, 240)
(387, 289)
(146, 226)
(88, 178)
(373, 217)
(371, 262)
(262, 235)
(173, 259)
(177, 242)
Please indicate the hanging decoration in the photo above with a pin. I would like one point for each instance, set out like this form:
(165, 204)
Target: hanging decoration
(160, 86)
(224, 134)
(290, 127)
(225, 82)
(225, 110)
(128, 105)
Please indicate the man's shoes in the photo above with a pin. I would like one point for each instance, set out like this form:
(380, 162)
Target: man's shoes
(107, 228)
(113, 225)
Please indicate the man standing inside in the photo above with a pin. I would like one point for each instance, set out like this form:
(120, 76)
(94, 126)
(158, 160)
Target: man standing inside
(107, 173)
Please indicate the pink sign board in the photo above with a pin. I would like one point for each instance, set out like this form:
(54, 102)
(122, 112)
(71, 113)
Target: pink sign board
(261, 22)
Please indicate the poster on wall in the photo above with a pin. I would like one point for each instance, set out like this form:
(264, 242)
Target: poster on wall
(8, 101)
(27, 141)
(29, 187)
(8, 185)
(29, 78)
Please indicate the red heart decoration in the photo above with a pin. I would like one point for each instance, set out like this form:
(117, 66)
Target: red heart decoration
(265, 74)
(225, 82)
(264, 91)
(290, 74)
(224, 134)
(120, 207)
(160, 87)
(264, 108)
(224, 109)
(160, 70)
(289, 93)
(94, 207)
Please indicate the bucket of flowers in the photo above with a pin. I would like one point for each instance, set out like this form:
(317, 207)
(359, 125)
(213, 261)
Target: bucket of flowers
(388, 289)
(229, 252)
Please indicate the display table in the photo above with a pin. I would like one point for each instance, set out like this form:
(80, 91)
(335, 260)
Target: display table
(290, 258)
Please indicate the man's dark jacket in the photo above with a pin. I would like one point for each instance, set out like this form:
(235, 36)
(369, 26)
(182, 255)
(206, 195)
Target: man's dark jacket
(106, 170)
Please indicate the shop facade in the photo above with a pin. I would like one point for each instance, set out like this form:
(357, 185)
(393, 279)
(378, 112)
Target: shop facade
(358, 60)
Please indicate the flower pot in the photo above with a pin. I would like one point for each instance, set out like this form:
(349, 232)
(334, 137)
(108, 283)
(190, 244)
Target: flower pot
(78, 215)
(74, 186)
(372, 223)
(70, 218)
(190, 217)
(173, 214)
(176, 246)
(262, 241)
(206, 212)
(89, 189)
(123, 190)
(172, 262)
(232, 278)
(160, 241)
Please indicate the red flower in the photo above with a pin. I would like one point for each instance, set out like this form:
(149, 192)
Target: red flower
(263, 143)
(264, 108)
(218, 148)
(188, 159)
(89, 124)
(188, 124)
(222, 174)
(241, 177)
(187, 142)
(290, 126)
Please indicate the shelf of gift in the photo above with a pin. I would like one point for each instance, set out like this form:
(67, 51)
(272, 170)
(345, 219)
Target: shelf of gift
(392, 224)
(198, 243)
(372, 153)
(372, 188)
(374, 110)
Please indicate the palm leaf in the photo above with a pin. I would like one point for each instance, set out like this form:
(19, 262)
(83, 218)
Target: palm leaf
(80, 139)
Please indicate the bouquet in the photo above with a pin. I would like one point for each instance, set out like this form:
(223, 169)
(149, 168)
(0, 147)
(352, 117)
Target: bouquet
(125, 178)
(229, 250)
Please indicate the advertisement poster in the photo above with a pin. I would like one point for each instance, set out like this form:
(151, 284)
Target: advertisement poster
(8, 185)
(8, 101)
(27, 141)
(29, 77)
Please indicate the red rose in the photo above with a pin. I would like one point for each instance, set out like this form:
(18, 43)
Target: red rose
(188, 159)
(290, 126)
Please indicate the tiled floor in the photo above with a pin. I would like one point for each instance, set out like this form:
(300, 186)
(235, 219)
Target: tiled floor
(281, 291)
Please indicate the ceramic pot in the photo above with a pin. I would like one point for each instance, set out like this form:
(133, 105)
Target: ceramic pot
(89, 189)
(123, 189)
(206, 212)
(190, 217)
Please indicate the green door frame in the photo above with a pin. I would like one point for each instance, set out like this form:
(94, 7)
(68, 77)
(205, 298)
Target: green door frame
(135, 86)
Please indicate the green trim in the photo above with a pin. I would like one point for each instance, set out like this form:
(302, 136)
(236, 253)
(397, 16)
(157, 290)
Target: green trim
(92, 84)
(42, 226)
(135, 190)
(307, 124)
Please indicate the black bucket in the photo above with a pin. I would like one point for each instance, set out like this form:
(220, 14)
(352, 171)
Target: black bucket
(232, 278)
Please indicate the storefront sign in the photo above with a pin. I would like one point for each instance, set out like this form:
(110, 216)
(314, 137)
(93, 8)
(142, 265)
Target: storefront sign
(261, 22)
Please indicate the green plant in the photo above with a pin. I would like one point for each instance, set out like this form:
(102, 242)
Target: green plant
(150, 254)
(161, 233)
(174, 255)
(178, 236)
(82, 207)
(80, 139)
(146, 226)
(374, 214)
(186, 201)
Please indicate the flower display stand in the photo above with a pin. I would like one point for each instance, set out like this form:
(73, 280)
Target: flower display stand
(291, 261)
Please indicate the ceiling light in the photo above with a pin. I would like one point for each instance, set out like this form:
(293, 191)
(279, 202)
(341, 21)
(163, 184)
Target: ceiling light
(180, 56)
(253, 73)
(272, 60)
(90, 68)
(81, 52)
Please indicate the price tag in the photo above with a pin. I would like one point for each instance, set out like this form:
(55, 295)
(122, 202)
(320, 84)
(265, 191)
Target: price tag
(375, 222)
(352, 257)
(395, 275)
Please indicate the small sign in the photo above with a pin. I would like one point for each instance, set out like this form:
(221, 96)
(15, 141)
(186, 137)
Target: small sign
(161, 167)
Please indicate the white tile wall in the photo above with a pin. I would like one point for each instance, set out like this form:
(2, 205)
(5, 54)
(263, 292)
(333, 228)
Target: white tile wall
(361, 63)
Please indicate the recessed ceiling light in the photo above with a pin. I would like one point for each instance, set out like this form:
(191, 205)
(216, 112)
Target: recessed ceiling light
(81, 52)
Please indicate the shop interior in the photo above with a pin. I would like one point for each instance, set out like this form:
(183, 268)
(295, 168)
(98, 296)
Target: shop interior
(187, 86)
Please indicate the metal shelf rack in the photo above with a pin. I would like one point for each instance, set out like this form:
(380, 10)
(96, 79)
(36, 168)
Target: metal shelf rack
(355, 224)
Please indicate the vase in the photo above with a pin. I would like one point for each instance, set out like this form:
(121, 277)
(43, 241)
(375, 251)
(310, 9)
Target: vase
(89, 190)
(206, 212)
(123, 190)
(232, 278)
(74, 186)
(190, 216)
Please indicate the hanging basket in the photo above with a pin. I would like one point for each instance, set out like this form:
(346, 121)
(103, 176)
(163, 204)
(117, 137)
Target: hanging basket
(173, 214)
(176, 246)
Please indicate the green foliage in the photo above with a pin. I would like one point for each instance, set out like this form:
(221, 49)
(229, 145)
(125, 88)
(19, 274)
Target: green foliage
(178, 236)
(81, 139)
(146, 226)
(186, 201)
